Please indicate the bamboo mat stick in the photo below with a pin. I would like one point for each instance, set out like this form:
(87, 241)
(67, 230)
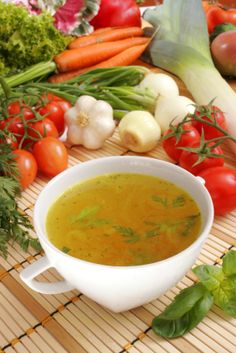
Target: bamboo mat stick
(42, 315)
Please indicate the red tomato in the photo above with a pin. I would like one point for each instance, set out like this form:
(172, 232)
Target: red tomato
(51, 156)
(55, 113)
(42, 128)
(188, 159)
(211, 114)
(27, 166)
(221, 184)
(18, 113)
(65, 105)
(18, 108)
(180, 136)
(223, 50)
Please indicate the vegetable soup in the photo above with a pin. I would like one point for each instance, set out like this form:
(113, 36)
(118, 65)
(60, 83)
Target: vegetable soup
(123, 219)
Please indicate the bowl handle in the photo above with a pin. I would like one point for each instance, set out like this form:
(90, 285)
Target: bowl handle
(34, 269)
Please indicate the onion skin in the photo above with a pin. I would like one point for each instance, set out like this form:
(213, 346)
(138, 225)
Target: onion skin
(223, 49)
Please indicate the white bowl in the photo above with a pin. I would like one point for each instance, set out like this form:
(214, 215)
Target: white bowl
(118, 288)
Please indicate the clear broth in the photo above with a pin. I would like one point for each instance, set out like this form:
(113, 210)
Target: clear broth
(123, 219)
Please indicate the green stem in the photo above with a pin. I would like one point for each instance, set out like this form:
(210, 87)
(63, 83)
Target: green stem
(35, 71)
(5, 87)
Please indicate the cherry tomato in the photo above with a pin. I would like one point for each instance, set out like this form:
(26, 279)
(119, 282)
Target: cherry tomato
(18, 114)
(180, 136)
(51, 156)
(55, 113)
(18, 108)
(27, 166)
(65, 105)
(188, 159)
(42, 128)
(50, 97)
(221, 184)
(211, 114)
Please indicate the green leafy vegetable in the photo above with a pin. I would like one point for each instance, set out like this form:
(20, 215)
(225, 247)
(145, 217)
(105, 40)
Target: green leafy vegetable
(181, 46)
(221, 281)
(184, 313)
(13, 224)
(26, 39)
(217, 285)
(229, 263)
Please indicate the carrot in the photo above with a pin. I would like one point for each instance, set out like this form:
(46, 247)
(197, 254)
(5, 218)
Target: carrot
(73, 59)
(125, 58)
(106, 36)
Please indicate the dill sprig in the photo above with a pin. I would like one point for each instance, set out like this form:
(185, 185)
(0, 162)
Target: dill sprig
(14, 225)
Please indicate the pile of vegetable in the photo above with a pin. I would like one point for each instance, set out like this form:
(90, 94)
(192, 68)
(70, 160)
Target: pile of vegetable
(185, 52)
(104, 48)
(93, 90)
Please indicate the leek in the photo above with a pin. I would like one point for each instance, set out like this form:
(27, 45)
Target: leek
(181, 46)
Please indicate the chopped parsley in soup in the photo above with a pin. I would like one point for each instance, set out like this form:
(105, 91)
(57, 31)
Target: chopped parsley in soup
(123, 219)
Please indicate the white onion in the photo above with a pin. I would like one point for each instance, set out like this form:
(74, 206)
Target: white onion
(172, 109)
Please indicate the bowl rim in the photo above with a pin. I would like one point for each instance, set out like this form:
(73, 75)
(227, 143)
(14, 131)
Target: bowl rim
(198, 242)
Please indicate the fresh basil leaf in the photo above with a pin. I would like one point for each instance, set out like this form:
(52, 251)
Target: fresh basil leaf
(184, 302)
(171, 328)
(225, 295)
(210, 276)
(230, 307)
(229, 263)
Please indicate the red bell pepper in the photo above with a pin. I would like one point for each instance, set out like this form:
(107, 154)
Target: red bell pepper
(115, 13)
(216, 15)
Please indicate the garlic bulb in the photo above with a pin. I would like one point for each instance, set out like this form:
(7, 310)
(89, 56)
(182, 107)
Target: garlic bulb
(139, 131)
(90, 122)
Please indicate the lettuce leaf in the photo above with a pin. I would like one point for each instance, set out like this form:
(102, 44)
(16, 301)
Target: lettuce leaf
(27, 39)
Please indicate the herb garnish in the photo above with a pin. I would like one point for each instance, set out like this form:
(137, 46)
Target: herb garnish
(179, 201)
(13, 224)
(128, 233)
(217, 285)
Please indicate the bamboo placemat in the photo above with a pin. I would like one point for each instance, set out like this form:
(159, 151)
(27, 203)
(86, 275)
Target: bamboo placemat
(72, 323)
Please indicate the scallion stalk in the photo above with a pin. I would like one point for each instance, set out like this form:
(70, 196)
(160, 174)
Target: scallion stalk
(38, 70)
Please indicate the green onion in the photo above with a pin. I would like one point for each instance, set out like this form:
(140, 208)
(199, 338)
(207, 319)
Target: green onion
(36, 71)
(181, 46)
(117, 86)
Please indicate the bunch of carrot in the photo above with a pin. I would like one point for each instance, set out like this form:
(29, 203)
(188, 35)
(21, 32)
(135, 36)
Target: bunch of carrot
(104, 48)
